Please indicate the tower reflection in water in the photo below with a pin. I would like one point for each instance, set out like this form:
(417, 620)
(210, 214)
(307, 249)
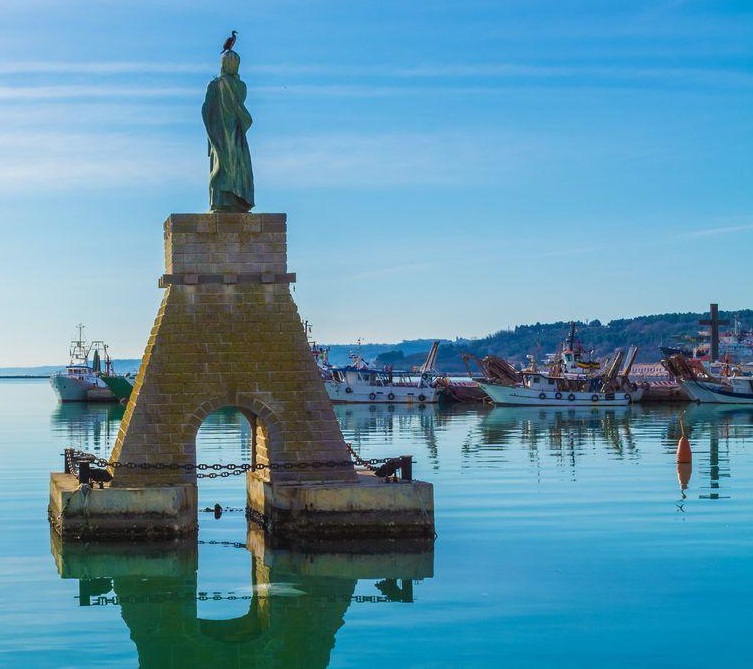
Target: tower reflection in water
(293, 608)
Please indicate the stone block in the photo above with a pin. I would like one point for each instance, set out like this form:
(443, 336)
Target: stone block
(362, 509)
(110, 514)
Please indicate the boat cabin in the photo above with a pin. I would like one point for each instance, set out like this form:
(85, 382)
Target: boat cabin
(360, 376)
(80, 372)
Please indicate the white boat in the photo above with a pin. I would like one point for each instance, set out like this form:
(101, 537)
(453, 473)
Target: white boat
(570, 380)
(543, 390)
(360, 383)
(733, 390)
(81, 380)
(731, 387)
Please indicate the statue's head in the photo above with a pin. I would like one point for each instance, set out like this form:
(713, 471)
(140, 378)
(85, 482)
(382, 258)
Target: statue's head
(230, 62)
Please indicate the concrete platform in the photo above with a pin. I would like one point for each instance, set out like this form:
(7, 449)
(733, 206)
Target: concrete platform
(121, 514)
(368, 512)
(369, 508)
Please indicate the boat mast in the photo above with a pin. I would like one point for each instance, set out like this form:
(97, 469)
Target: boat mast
(108, 360)
(78, 351)
(571, 337)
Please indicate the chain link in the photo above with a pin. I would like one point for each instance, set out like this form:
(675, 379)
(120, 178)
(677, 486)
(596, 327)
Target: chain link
(74, 456)
(231, 544)
(360, 461)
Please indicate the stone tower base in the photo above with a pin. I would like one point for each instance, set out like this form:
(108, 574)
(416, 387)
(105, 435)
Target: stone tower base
(303, 513)
(121, 514)
(370, 508)
(228, 334)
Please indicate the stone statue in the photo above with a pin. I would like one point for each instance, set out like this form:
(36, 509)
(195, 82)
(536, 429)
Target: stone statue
(231, 181)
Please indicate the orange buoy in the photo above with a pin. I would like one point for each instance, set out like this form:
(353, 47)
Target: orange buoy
(684, 454)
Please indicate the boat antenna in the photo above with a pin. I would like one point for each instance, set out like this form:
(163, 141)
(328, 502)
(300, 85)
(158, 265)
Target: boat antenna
(108, 360)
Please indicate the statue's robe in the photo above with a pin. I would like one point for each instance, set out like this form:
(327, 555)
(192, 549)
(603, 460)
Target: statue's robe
(231, 180)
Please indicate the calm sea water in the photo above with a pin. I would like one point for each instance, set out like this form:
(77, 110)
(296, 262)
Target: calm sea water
(564, 540)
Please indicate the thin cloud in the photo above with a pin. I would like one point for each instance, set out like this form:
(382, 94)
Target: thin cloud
(716, 232)
(504, 71)
(400, 159)
(104, 68)
(93, 160)
(337, 161)
(76, 92)
(567, 252)
(21, 93)
(141, 113)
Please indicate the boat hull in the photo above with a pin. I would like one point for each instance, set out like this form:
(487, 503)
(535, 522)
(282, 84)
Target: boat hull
(342, 393)
(520, 396)
(70, 389)
(707, 392)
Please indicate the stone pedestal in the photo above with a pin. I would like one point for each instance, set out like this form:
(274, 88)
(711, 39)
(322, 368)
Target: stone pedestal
(121, 514)
(228, 334)
(369, 509)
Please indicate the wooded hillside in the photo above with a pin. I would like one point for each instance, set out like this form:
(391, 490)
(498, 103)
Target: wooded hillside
(646, 332)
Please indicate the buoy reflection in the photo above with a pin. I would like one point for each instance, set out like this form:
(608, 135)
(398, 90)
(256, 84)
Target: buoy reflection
(684, 470)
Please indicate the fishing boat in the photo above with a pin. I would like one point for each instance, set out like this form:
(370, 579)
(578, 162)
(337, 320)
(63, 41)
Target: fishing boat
(82, 379)
(464, 391)
(657, 383)
(731, 386)
(734, 390)
(359, 382)
(570, 380)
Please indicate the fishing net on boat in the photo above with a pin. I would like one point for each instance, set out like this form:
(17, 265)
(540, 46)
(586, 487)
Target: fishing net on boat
(684, 368)
(495, 369)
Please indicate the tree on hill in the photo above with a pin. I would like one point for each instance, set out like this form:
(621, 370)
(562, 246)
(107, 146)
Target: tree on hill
(648, 333)
(394, 358)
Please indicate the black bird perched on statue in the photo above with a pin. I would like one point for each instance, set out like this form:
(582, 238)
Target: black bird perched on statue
(229, 42)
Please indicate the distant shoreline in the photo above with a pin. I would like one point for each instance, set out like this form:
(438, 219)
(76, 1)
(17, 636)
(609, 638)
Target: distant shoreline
(24, 376)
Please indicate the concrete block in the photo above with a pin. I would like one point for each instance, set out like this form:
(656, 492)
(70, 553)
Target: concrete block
(121, 514)
(366, 508)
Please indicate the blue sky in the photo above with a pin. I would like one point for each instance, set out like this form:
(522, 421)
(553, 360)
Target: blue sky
(448, 168)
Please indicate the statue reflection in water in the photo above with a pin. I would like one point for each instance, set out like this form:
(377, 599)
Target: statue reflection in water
(289, 616)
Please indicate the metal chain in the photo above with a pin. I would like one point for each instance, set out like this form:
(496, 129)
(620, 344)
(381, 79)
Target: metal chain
(74, 456)
(231, 544)
(360, 461)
